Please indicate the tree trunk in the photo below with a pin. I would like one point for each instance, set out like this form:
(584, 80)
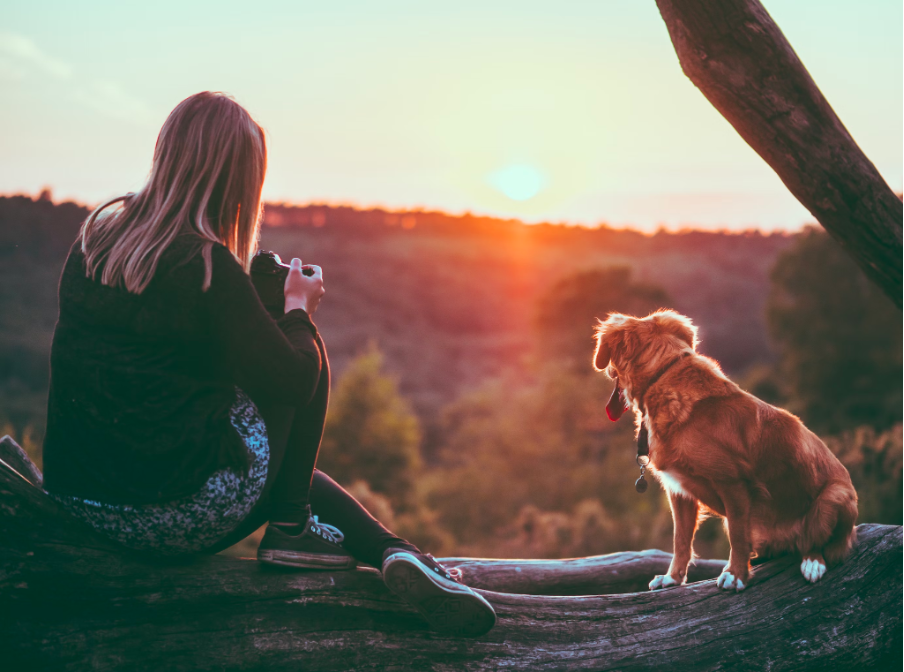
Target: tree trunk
(736, 55)
(71, 600)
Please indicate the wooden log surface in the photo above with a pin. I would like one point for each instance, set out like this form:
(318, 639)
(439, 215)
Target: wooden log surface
(596, 575)
(70, 600)
(738, 57)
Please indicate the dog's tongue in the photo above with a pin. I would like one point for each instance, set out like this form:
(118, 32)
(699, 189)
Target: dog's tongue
(616, 405)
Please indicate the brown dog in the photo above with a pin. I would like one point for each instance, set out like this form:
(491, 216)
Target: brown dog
(718, 450)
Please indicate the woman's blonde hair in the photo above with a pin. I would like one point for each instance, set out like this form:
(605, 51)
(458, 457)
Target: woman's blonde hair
(206, 180)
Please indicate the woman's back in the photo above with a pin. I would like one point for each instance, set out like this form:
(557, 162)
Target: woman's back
(135, 395)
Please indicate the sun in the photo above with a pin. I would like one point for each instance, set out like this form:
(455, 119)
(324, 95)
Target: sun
(518, 181)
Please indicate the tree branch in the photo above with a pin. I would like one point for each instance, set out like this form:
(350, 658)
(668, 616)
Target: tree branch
(738, 57)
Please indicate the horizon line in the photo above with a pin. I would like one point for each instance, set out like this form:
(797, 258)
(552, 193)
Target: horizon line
(46, 194)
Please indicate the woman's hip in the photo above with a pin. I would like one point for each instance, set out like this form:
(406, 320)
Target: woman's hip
(195, 522)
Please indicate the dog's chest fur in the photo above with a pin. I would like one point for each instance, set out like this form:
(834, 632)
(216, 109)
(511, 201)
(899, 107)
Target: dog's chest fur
(669, 477)
(671, 483)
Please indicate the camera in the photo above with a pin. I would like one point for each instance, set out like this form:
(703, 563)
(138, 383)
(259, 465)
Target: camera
(268, 275)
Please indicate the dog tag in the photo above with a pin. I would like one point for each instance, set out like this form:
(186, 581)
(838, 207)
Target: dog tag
(640, 485)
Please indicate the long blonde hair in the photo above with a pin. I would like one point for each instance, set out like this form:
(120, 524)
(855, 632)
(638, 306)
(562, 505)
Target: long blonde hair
(206, 180)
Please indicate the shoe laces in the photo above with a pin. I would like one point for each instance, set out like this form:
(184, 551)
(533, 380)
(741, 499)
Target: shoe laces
(453, 573)
(328, 532)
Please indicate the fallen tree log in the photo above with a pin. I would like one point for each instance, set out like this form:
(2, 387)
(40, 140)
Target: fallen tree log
(738, 57)
(71, 600)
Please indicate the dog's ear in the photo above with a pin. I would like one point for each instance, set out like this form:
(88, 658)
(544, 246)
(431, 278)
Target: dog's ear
(677, 325)
(607, 335)
(602, 355)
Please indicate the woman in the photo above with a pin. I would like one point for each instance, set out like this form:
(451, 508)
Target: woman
(181, 415)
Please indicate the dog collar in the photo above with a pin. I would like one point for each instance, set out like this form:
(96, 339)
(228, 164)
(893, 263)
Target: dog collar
(656, 376)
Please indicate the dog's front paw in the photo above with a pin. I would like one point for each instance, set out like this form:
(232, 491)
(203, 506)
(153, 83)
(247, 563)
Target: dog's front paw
(728, 581)
(813, 568)
(662, 581)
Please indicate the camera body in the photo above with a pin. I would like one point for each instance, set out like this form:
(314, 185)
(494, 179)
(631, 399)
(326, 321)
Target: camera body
(268, 275)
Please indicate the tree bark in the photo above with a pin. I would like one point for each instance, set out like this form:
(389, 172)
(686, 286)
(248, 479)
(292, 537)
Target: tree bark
(738, 57)
(70, 600)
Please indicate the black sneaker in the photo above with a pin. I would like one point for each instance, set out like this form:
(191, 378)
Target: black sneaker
(316, 546)
(437, 593)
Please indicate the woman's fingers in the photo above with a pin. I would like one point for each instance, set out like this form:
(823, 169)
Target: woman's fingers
(317, 271)
(304, 286)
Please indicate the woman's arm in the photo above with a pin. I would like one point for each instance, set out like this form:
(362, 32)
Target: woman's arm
(272, 361)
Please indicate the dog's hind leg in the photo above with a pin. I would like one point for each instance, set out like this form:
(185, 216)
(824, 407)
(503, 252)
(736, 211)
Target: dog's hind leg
(828, 529)
(845, 534)
(685, 519)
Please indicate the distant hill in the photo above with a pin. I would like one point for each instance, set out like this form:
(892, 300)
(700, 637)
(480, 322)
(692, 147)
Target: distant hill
(449, 299)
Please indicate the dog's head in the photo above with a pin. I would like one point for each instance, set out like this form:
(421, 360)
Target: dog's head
(631, 350)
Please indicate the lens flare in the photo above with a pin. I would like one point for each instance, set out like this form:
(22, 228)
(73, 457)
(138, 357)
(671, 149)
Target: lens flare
(519, 181)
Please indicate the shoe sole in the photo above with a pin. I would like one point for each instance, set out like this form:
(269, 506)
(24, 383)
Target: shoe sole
(306, 560)
(448, 606)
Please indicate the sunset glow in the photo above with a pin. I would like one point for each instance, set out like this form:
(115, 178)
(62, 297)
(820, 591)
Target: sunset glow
(569, 111)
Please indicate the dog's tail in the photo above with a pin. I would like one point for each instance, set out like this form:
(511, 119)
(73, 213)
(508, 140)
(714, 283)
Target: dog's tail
(829, 524)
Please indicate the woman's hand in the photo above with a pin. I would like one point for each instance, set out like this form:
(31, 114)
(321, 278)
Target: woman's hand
(303, 291)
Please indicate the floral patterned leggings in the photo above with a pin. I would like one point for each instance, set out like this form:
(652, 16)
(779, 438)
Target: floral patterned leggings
(195, 522)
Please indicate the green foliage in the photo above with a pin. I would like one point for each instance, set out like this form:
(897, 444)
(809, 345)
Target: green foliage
(874, 460)
(534, 467)
(839, 338)
(371, 432)
(567, 313)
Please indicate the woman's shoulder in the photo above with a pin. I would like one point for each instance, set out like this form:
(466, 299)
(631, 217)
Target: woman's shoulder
(187, 252)
(187, 246)
(221, 253)
(186, 263)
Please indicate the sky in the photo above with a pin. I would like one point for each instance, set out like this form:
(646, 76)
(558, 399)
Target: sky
(545, 111)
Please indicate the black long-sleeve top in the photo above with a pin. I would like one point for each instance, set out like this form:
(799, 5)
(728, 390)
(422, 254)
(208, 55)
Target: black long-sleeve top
(141, 384)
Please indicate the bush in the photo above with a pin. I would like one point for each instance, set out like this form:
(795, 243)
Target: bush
(371, 433)
(838, 336)
(874, 462)
(533, 466)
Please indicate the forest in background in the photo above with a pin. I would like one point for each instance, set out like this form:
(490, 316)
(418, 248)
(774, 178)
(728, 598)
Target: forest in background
(465, 411)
